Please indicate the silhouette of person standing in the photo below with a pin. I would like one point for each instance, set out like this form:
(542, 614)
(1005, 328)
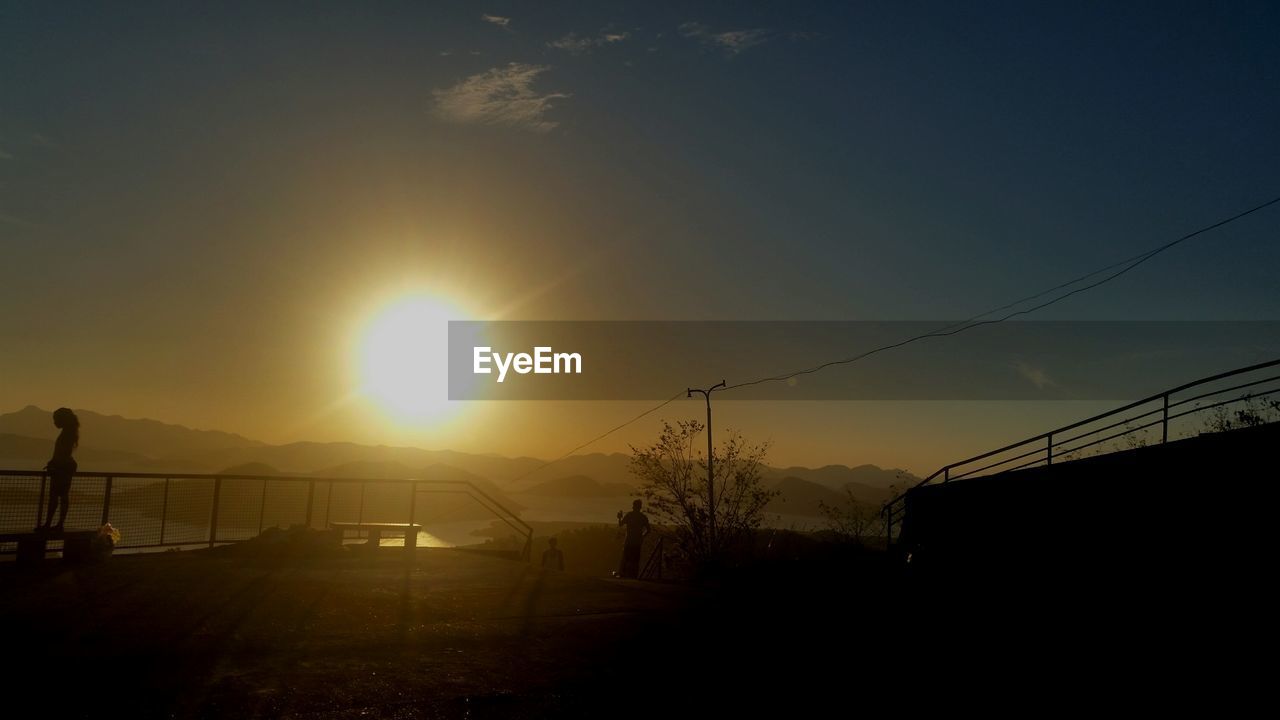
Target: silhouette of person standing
(553, 557)
(637, 525)
(61, 466)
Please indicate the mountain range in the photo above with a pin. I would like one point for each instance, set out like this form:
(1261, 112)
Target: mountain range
(114, 443)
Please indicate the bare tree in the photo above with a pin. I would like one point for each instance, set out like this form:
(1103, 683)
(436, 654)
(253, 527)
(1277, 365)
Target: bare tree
(1256, 410)
(853, 520)
(673, 475)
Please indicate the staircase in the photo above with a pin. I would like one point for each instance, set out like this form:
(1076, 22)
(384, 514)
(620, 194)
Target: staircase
(1178, 480)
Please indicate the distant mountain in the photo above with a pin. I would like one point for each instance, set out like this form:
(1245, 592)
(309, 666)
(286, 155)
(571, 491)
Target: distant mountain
(20, 453)
(444, 501)
(446, 475)
(579, 486)
(373, 469)
(112, 432)
(310, 457)
(838, 477)
(252, 468)
(802, 497)
(112, 443)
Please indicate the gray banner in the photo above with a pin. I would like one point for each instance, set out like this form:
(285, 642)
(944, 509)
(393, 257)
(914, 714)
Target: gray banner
(1067, 360)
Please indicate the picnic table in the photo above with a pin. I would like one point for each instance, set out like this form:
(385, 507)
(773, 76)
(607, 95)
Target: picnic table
(375, 531)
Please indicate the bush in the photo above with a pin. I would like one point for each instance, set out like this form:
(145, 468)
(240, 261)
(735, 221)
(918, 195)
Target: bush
(673, 476)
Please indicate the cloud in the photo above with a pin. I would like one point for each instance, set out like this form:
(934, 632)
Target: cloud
(502, 96)
(731, 41)
(498, 20)
(44, 141)
(584, 44)
(1034, 375)
(4, 155)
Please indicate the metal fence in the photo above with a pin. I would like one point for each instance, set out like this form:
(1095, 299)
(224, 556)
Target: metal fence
(1236, 398)
(156, 511)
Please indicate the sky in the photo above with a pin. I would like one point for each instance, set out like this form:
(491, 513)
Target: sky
(203, 209)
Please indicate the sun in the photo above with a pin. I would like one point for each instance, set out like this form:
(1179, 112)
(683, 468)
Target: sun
(403, 358)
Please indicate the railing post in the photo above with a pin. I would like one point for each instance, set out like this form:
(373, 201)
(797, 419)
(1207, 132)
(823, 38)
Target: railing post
(413, 498)
(262, 507)
(213, 518)
(1164, 421)
(360, 514)
(164, 510)
(311, 497)
(328, 505)
(106, 502)
(1048, 457)
(40, 509)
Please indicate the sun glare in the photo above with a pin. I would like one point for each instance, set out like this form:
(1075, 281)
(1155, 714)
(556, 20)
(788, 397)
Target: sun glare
(404, 360)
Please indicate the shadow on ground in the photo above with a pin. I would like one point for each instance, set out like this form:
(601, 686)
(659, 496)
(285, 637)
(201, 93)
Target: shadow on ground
(212, 634)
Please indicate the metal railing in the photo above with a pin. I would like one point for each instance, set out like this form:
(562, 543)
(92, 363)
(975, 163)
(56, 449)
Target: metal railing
(1151, 420)
(163, 510)
(657, 559)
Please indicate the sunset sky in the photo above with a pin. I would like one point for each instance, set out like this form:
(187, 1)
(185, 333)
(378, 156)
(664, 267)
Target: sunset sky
(203, 214)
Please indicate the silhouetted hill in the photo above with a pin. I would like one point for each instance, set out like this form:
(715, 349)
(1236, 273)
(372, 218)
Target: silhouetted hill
(449, 474)
(311, 457)
(802, 497)
(119, 444)
(441, 502)
(18, 452)
(251, 468)
(112, 432)
(384, 470)
(579, 486)
(837, 477)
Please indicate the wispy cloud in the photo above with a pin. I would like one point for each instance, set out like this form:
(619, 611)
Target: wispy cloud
(1034, 375)
(579, 44)
(4, 155)
(44, 141)
(501, 96)
(498, 20)
(730, 41)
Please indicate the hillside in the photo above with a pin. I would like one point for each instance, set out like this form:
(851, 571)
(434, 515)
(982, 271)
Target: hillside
(112, 443)
(18, 452)
(253, 468)
(837, 477)
(111, 432)
(579, 486)
(802, 497)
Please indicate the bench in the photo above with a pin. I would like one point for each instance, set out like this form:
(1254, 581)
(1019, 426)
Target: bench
(375, 530)
(32, 546)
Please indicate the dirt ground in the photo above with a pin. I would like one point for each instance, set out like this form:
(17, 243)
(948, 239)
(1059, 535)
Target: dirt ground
(203, 634)
(458, 634)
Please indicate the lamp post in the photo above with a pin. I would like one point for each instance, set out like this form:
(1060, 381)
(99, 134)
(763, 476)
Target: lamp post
(711, 492)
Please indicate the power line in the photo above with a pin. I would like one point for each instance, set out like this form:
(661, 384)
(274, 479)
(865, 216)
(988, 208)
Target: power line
(601, 436)
(953, 329)
(974, 322)
(1141, 257)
